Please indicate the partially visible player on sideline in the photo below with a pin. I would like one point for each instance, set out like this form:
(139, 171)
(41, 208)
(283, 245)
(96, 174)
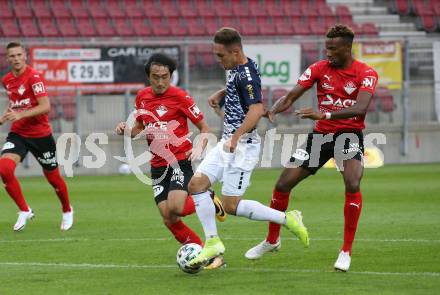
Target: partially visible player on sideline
(345, 87)
(235, 156)
(163, 113)
(30, 132)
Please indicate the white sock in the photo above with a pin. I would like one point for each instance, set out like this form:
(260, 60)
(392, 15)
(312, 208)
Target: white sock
(256, 211)
(206, 213)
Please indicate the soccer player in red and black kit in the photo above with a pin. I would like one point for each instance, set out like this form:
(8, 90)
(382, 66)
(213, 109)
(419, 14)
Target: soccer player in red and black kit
(163, 111)
(30, 132)
(344, 88)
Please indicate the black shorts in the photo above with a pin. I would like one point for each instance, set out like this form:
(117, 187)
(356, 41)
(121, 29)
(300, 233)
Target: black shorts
(319, 148)
(166, 179)
(43, 149)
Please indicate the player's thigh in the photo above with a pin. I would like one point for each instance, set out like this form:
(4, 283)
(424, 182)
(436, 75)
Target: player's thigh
(290, 177)
(14, 148)
(44, 150)
(352, 174)
(178, 188)
(209, 171)
(161, 177)
(235, 181)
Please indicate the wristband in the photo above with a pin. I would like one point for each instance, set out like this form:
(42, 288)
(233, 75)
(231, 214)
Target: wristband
(328, 115)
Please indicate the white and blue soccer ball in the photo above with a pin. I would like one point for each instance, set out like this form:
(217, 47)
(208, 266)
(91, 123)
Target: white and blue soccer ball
(185, 254)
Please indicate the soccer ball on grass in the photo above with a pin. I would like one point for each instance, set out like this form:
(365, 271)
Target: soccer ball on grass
(185, 254)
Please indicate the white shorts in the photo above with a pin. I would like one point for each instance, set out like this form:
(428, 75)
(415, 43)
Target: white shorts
(233, 170)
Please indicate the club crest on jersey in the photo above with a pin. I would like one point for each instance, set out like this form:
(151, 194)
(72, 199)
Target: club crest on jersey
(194, 110)
(161, 110)
(306, 75)
(38, 88)
(350, 87)
(21, 89)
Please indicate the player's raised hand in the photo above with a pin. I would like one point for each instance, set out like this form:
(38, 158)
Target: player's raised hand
(120, 128)
(309, 113)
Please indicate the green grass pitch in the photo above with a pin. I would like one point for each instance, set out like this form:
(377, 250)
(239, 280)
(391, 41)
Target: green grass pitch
(118, 244)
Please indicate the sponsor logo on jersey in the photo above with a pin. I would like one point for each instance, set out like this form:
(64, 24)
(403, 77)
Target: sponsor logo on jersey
(350, 87)
(338, 102)
(195, 111)
(327, 77)
(327, 86)
(21, 89)
(369, 82)
(157, 125)
(20, 103)
(38, 88)
(306, 75)
(250, 91)
(161, 110)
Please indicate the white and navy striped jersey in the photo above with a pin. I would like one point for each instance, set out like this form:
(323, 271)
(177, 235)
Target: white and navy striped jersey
(243, 88)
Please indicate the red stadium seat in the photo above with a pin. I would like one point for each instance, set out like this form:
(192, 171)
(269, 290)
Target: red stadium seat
(187, 9)
(228, 21)
(48, 27)
(86, 27)
(385, 99)
(274, 10)
(151, 9)
(141, 28)
(208, 60)
(133, 10)
(196, 27)
(59, 10)
(290, 8)
(169, 9)
(160, 27)
(423, 7)
(104, 27)
(211, 25)
(6, 12)
(248, 26)
(317, 25)
(115, 10)
(283, 26)
(123, 27)
(78, 10)
(266, 27)
(402, 7)
(22, 10)
(177, 28)
(257, 10)
(10, 28)
(41, 10)
(204, 8)
(67, 27)
(428, 23)
(344, 14)
(221, 9)
(324, 10)
(369, 29)
(29, 28)
(96, 9)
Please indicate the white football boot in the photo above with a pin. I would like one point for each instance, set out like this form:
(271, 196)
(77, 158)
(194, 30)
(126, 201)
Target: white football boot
(343, 261)
(23, 217)
(67, 221)
(262, 248)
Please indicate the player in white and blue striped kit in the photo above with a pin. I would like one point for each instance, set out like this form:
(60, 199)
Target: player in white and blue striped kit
(235, 156)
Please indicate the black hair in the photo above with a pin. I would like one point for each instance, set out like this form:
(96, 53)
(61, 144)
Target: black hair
(13, 45)
(160, 59)
(227, 37)
(346, 33)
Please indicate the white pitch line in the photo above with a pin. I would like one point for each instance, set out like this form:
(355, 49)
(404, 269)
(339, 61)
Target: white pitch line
(242, 269)
(57, 240)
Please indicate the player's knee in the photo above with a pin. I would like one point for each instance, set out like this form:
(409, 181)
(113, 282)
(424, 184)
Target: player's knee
(352, 185)
(195, 186)
(230, 205)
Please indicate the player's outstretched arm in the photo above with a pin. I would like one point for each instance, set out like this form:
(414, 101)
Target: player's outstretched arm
(42, 108)
(285, 102)
(214, 99)
(358, 109)
(256, 111)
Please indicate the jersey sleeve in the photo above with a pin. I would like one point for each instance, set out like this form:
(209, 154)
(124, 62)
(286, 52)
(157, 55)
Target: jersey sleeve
(37, 85)
(191, 110)
(310, 76)
(368, 78)
(138, 106)
(249, 86)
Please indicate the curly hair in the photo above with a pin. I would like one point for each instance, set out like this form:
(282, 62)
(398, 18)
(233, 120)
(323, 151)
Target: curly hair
(346, 33)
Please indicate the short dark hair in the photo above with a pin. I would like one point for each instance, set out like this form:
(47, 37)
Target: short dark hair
(346, 33)
(227, 36)
(13, 45)
(160, 59)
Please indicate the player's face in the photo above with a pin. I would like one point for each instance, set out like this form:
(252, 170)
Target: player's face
(160, 78)
(16, 57)
(226, 57)
(337, 51)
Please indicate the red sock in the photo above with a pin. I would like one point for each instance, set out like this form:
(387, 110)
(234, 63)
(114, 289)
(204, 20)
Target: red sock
(280, 201)
(12, 186)
(352, 211)
(58, 183)
(184, 234)
(189, 207)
